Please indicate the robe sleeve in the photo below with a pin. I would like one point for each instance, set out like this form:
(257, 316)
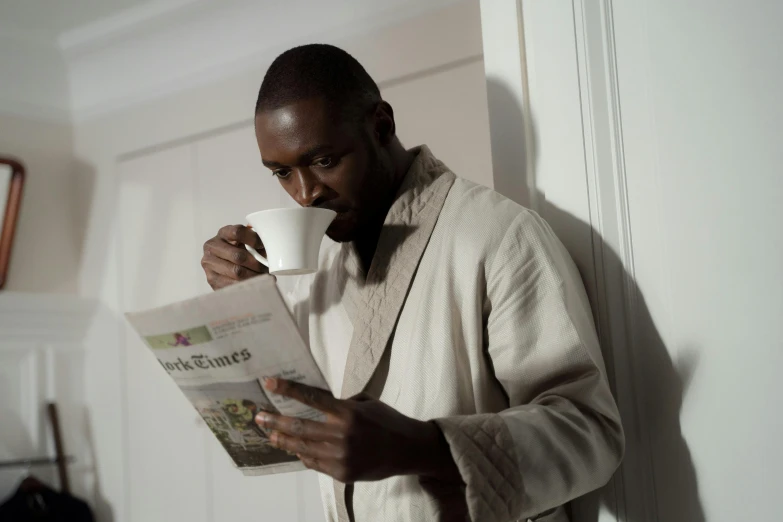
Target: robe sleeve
(561, 436)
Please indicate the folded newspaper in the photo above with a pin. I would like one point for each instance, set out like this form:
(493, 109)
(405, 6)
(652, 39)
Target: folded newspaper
(217, 348)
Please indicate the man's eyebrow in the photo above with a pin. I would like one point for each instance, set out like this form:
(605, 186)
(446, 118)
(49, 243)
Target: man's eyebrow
(271, 164)
(307, 157)
(304, 159)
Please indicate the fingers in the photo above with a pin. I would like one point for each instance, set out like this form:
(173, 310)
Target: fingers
(240, 234)
(302, 447)
(320, 456)
(319, 399)
(217, 281)
(318, 445)
(302, 428)
(221, 273)
(226, 261)
(313, 463)
(236, 272)
(235, 254)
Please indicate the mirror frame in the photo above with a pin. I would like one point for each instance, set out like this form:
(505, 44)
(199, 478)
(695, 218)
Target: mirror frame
(11, 217)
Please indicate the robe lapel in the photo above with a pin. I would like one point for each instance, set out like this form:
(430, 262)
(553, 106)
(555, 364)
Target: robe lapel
(377, 302)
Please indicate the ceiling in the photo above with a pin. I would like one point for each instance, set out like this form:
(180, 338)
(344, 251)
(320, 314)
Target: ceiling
(77, 59)
(44, 21)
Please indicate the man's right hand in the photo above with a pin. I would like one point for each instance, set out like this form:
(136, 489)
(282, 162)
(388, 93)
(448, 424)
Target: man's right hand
(226, 261)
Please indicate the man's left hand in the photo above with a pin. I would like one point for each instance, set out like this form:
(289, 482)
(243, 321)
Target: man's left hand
(361, 439)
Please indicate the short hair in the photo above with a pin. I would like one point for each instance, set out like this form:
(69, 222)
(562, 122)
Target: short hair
(318, 71)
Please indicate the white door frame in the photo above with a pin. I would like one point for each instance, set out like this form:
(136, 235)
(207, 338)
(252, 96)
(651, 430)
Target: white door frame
(558, 64)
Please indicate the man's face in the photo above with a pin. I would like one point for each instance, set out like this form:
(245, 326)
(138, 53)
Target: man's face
(325, 161)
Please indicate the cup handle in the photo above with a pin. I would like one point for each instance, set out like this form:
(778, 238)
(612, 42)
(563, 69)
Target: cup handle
(261, 259)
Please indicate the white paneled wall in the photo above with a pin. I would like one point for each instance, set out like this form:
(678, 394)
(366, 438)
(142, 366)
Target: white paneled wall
(170, 202)
(42, 360)
(21, 386)
(232, 183)
(157, 236)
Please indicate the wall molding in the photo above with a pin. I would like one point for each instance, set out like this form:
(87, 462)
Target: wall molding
(613, 248)
(569, 96)
(127, 23)
(166, 44)
(162, 47)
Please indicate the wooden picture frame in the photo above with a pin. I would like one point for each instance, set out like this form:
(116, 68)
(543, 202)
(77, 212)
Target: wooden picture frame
(12, 176)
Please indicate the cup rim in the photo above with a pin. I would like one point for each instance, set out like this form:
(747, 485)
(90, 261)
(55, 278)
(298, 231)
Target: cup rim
(286, 209)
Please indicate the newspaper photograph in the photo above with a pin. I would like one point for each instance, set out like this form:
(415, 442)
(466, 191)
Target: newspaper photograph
(218, 348)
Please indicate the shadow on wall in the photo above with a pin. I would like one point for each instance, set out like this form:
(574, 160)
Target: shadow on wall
(660, 386)
(100, 505)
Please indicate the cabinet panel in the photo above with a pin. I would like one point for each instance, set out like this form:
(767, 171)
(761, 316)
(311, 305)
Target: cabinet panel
(167, 475)
(231, 183)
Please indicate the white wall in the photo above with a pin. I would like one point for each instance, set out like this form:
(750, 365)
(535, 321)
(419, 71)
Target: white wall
(700, 85)
(413, 61)
(654, 132)
(442, 109)
(47, 248)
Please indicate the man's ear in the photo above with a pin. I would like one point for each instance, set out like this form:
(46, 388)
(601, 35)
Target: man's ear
(385, 128)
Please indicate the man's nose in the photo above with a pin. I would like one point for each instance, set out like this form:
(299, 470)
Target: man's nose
(311, 191)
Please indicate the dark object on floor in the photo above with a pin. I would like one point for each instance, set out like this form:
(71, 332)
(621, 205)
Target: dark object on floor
(34, 501)
(37, 502)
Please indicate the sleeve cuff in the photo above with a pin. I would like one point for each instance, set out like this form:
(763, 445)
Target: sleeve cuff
(483, 449)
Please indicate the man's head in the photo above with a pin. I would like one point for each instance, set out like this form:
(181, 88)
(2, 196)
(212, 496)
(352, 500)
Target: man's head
(325, 133)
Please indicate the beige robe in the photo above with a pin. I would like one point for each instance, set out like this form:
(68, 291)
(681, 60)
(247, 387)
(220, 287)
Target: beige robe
(471, 314)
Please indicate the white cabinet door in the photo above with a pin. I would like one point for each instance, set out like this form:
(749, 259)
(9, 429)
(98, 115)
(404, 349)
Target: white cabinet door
(232, 183)
(159, 253)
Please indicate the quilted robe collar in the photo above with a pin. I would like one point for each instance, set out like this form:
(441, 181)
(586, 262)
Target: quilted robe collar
(375, 300)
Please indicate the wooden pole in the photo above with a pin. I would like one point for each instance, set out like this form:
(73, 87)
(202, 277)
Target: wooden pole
(62, 468)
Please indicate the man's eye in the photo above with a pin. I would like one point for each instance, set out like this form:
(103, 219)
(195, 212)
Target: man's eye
(282, 174)
(325, 163)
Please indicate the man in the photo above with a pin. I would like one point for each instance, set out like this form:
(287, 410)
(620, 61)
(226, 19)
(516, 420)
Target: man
(449, 322)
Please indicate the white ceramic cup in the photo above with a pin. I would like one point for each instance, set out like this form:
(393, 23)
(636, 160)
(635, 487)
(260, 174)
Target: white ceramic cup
(292, 238)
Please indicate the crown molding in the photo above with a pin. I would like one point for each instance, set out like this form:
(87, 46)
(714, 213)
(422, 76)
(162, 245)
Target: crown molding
(127, 23)
(167, 47)
(163, 47)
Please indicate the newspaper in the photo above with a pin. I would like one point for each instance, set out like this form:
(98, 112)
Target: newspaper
(217, 348)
